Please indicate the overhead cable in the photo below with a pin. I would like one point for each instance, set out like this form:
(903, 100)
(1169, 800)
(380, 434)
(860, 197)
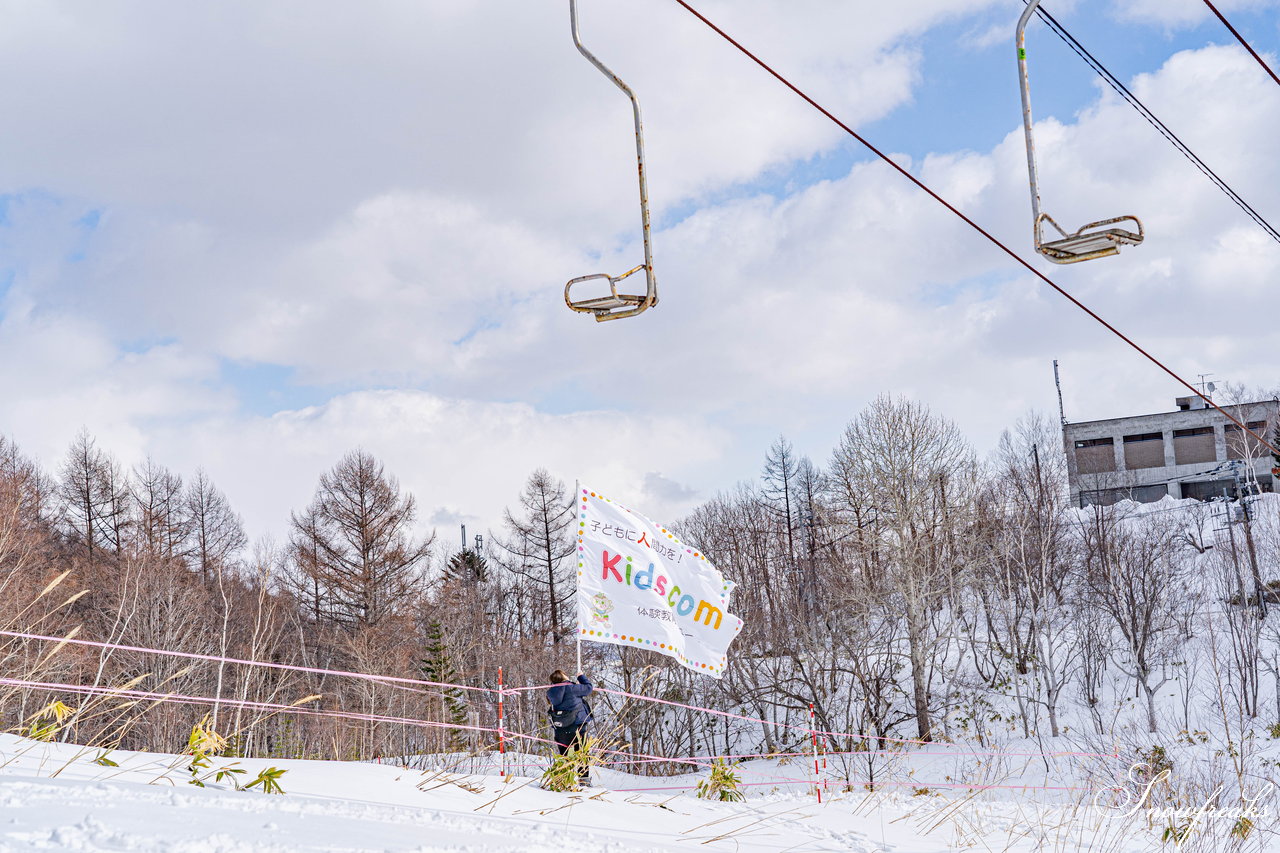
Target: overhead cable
(1240, 38)
(975, 226)
(1151, 118)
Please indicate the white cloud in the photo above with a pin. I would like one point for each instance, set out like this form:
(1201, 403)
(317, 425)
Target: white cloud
(393, 195)
(463, 460)
(1177, 14)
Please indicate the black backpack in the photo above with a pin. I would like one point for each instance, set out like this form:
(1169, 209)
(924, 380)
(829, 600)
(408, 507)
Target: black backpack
(564, 719)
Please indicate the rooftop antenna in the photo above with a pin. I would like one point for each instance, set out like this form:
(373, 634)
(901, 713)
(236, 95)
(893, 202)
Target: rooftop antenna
(1057, 381)
(1206, 387)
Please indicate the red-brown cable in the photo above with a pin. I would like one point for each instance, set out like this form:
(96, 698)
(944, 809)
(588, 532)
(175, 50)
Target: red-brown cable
(1240, 38)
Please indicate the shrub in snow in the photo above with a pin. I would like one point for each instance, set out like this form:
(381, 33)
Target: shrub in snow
(721, 785)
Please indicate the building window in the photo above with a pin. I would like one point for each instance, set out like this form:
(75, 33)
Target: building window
(1194, 446)
(1145, 450)
(1107, 497)
(1241, 445)
(1206, 490)
(1095, 455)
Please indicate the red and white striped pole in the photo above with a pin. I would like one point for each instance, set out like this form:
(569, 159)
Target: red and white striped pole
(817, 775)
(502, 741)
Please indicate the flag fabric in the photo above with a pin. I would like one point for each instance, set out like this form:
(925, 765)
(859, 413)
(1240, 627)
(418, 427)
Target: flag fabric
(638, 585)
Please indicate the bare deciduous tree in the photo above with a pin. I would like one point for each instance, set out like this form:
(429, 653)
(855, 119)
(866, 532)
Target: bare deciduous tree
(538, 544)
(215, 532)
(919, 474)
(355, 542)
(161, 513)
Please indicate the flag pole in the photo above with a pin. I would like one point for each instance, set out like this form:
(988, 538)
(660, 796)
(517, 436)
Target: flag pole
(577, 603)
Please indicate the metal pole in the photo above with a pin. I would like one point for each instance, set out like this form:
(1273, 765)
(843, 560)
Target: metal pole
(1026, 114)
(1259, 588)
(1235, 557)
(1243, 498)
(1057, 381)
(577, 503)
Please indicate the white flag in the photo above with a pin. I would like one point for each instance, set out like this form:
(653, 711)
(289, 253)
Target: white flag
(638, 585)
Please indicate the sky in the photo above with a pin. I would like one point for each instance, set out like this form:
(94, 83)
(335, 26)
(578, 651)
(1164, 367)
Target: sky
(252, 236)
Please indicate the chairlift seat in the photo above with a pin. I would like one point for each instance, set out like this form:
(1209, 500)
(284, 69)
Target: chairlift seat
(1091, 241)
(606, 303)
(612, 305)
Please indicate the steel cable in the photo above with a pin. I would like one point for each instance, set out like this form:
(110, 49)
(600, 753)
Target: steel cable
(974, 225)
(1122, 90)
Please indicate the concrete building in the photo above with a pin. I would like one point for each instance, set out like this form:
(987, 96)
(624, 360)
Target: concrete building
(1183, 453)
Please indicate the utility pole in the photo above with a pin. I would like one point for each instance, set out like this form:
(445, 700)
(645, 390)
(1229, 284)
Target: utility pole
(1057, 381)
(1246, 521)
(1253, 558)
(1235, 556)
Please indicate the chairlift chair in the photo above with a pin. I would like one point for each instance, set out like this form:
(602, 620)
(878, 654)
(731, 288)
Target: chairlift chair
(614, 305)
(1097, 239)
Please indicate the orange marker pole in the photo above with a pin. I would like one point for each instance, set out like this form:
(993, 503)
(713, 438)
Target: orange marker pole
(502, 741)
(817, 775)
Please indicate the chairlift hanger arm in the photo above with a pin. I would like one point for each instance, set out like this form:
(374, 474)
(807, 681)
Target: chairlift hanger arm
(1025, 87)
(615, 305)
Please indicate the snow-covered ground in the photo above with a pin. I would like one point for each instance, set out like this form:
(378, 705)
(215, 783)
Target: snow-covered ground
(54, 797)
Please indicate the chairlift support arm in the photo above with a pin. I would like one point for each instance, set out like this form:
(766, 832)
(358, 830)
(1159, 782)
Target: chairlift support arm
(1025, 86)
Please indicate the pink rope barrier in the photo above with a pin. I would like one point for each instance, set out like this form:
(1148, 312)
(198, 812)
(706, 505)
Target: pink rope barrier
(806, 731)
(733, 716)
(631, 758)
(390, 679)
(114, 692)
(913, 753)
(921, 784)
(400, 682)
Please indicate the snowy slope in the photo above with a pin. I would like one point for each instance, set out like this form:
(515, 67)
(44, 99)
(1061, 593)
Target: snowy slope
(53, 797)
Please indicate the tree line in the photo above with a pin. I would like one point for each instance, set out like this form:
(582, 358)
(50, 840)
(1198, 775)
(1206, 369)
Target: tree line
(914, 590)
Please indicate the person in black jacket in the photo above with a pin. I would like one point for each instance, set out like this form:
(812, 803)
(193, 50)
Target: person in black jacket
(570, 713)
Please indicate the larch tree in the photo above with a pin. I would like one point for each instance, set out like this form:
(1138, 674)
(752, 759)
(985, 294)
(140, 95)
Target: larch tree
(358, 542)
(779, 493)
(96, 499)
(160, 510)
(538, 544)
(1134, 575)
(215, 533)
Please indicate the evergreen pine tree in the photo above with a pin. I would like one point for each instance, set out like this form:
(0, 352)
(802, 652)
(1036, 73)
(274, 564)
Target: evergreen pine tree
(467, 567)
(437, 666)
